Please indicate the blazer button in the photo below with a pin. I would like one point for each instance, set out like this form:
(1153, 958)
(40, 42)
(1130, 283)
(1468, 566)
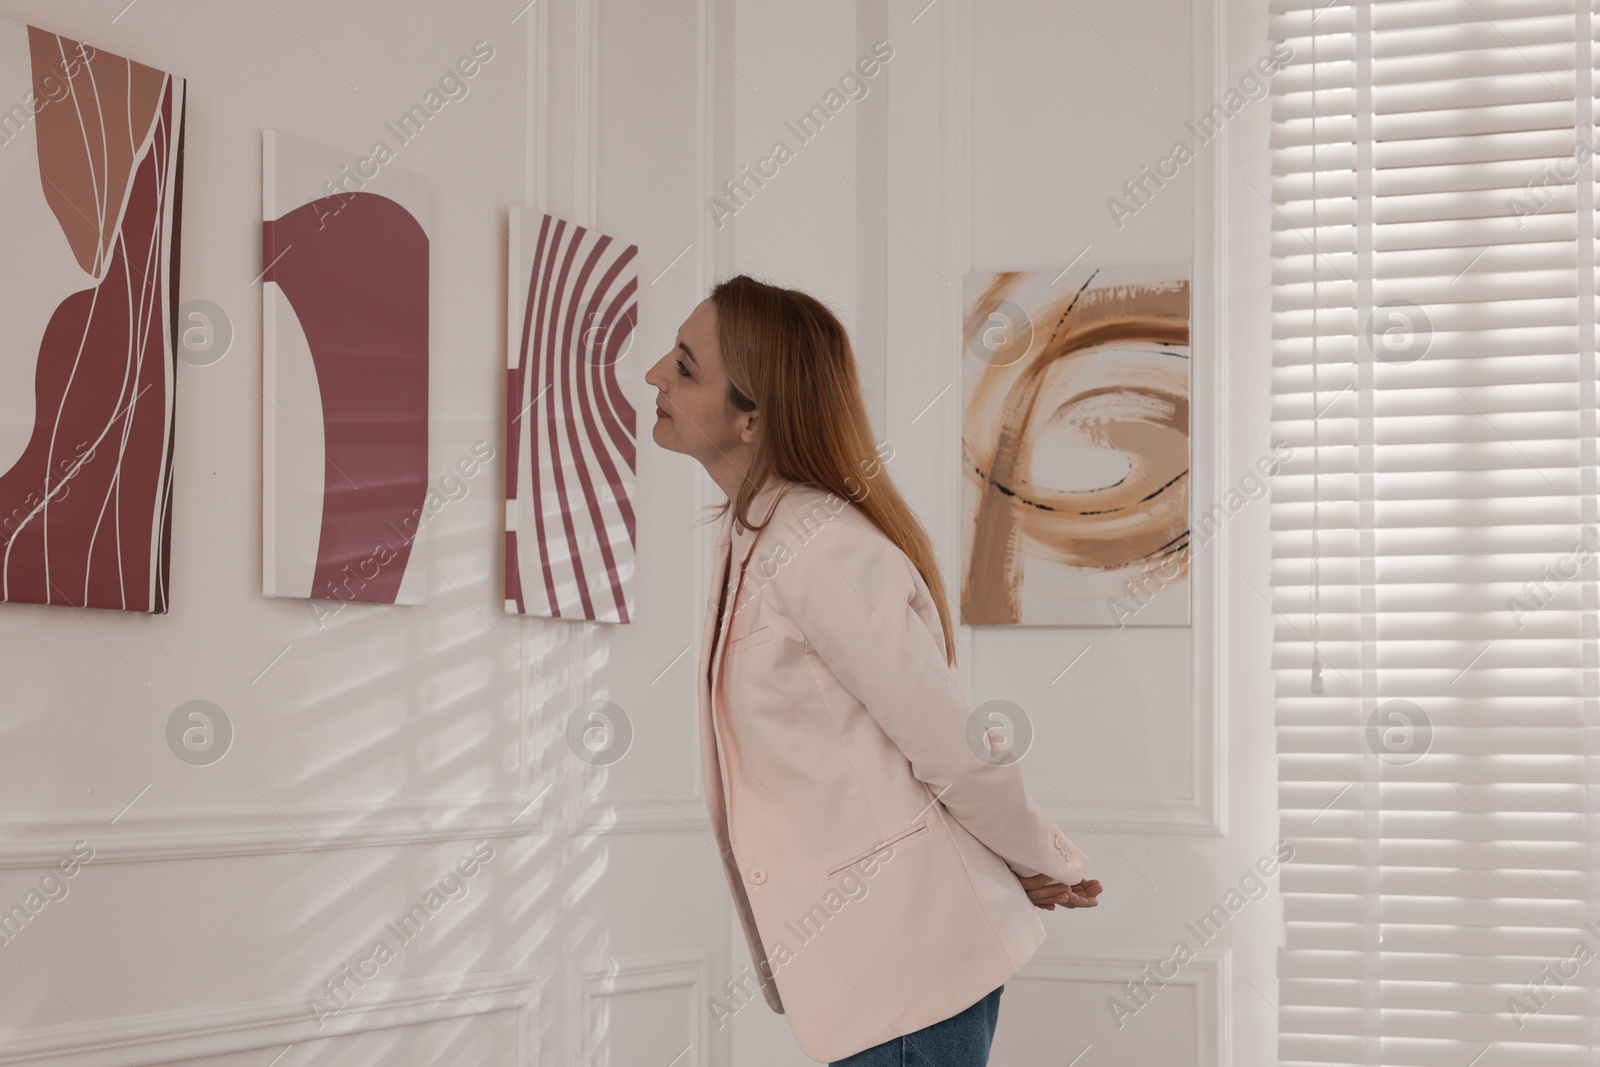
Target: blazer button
(758, 874)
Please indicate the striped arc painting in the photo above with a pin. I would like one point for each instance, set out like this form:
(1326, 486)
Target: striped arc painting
(344, 377)
(571, 434)
(91, 173)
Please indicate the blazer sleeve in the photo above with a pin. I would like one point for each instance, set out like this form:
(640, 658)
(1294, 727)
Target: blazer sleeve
(851, 591)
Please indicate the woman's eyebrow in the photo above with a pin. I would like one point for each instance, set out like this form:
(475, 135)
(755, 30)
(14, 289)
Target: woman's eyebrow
(690, 354)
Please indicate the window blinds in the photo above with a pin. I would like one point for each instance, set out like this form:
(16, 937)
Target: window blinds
(1434, 532)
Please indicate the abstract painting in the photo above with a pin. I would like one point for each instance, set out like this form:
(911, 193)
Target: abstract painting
(570, 432)
(1075, 447)
(91, 176)
(345, 377)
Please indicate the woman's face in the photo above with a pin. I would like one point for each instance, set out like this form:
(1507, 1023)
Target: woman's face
(693, 415)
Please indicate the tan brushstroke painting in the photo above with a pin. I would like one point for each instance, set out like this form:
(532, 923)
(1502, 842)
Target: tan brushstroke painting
(1075, 447)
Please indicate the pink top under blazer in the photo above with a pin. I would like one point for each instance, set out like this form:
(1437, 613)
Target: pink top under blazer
(870, 851)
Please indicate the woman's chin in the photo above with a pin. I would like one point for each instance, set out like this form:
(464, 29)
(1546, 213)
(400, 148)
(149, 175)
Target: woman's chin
(663, 436)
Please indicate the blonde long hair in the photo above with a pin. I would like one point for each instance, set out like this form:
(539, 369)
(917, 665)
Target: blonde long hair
(787, 354)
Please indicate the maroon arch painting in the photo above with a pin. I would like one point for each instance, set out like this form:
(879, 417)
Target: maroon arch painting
(86, 504)
(570, 431)
(346, 371)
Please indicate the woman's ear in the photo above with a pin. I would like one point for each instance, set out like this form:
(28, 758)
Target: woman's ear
(749, 426)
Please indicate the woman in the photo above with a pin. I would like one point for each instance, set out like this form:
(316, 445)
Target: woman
(885, 861)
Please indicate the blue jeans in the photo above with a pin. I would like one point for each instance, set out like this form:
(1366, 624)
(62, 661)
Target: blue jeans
(960, 1041)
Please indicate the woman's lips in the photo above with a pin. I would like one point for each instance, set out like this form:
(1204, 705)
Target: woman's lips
(661, 414)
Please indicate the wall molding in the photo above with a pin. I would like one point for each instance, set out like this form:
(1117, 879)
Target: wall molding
(682, 810)
(535, 183)
(1204, 811)
(1209, 974)
(591, 979)
(710, 251)
(1212, 216)
(686, 810)
(635, 815)
(1115, 815)
(244, 1026)
(586, 113)
(199, 833)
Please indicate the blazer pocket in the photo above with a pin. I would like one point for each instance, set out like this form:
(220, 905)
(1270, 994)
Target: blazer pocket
(919, 828)
(751, 639)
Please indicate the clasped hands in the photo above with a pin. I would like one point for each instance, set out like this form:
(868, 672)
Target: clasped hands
(1047, 894)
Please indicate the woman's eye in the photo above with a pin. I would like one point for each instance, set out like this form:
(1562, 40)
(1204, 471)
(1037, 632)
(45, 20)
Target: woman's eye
(683, 372)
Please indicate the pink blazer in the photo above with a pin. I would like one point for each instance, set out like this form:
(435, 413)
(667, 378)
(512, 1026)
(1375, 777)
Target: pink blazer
(870, 851)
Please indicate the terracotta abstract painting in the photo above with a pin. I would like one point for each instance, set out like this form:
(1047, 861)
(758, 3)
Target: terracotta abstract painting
(1075, 447)
(570, 432)
(344, 377)
(91, 176)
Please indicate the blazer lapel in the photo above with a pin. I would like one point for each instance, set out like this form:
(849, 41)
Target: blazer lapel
(739, 550)
(712, 641)
(711, 765)
(719, 576)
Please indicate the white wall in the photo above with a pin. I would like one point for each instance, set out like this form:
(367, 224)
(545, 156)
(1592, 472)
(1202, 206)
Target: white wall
(374, 751)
